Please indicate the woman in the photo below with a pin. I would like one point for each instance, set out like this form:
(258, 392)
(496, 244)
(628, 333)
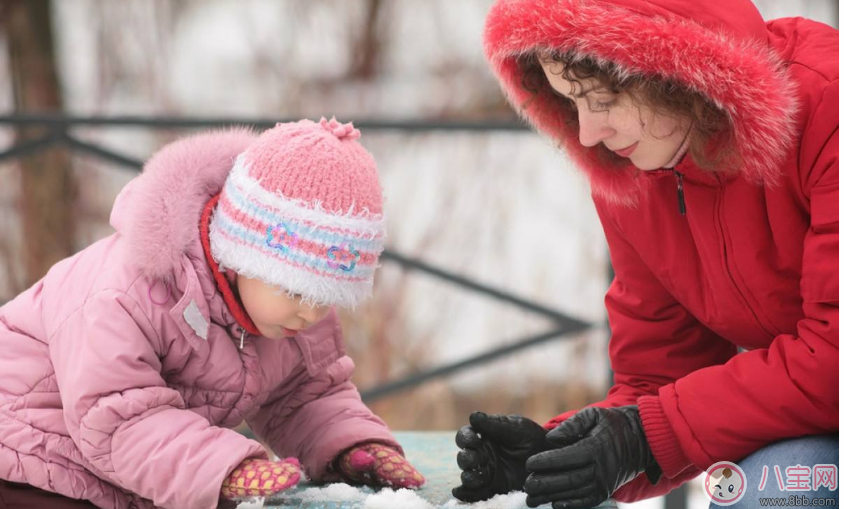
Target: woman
(710, 139)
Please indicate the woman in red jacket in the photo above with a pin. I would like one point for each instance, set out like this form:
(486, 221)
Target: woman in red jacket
(710, 139)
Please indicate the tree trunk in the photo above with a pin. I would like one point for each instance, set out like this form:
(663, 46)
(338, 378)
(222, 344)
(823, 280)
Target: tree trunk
(47, 184)
(368, 46)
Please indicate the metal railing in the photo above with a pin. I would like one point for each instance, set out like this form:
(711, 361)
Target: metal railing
(57, 132)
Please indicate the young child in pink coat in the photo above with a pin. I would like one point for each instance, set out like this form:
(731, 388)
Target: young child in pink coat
(122, 370)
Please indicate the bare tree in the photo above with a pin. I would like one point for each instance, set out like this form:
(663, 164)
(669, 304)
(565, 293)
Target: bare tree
(368, 46)
(47, 184)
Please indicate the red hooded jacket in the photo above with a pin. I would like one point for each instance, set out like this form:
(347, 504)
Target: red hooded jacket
(724, 320)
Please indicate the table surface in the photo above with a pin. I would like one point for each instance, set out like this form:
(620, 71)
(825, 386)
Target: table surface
(433, 453)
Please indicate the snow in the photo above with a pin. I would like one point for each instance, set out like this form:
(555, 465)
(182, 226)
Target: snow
(364, 498)
(512, 500)
(389, 499)
(252, 503)
(338, 492)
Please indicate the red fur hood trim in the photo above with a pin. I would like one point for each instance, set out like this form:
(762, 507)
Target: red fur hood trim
(717, 47)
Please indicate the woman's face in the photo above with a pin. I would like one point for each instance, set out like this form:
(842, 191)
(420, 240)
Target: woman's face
(650, 140)
(276, 314)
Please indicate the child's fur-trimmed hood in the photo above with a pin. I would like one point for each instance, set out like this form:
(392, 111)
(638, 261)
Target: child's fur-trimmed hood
(158, 212)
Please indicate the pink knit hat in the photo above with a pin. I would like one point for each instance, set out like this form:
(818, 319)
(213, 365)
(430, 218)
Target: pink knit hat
(302, 210)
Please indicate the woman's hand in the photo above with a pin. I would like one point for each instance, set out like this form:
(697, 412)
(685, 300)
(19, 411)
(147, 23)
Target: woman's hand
(376, 464)
(261, 478)
(494, 451)
(597, 451)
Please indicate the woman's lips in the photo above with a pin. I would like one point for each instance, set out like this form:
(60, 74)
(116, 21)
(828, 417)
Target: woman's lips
(625, 152)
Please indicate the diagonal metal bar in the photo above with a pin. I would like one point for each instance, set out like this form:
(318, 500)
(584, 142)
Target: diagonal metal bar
(31, 146)
(59, 124)
(562, 319)
(63, 121)
(407, 262)
(104, 153)
(388, 388)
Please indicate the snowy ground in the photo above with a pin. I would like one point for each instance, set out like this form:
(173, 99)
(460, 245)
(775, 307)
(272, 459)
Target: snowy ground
(433, 453)
(343, 496)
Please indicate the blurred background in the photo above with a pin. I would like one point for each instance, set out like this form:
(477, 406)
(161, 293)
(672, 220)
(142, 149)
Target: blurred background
(491, 296)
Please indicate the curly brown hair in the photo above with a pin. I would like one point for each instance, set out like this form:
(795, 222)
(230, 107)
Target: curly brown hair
(711, 143)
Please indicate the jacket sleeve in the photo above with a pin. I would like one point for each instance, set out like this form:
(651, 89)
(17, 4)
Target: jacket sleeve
(654, 342)
(319, 418)
(132, 428)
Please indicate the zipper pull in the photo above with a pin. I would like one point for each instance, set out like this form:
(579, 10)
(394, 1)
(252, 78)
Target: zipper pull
(681, 197)
(242, 334)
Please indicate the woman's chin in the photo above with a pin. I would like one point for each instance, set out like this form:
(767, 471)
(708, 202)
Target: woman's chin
(646, 166)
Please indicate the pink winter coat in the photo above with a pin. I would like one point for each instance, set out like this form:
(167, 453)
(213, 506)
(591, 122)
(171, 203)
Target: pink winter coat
(120, 370)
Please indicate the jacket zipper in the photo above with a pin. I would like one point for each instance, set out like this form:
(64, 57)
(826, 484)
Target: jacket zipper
(730, 277)
(681, 204)
(681, 197)
(678, 177)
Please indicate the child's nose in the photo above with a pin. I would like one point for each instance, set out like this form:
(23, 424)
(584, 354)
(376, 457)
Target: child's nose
(312, 314)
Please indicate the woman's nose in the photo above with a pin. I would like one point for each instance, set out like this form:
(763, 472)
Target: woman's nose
(593, 127)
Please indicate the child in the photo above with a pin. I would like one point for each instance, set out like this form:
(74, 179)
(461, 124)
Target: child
(123, 368)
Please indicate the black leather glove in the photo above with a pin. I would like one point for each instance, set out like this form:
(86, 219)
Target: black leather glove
(494, 451)
(597, 451)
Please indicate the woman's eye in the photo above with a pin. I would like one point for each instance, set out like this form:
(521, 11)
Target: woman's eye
(603, 105)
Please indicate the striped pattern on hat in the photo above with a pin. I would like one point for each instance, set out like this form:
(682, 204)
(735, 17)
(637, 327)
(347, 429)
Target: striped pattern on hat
(328, 257)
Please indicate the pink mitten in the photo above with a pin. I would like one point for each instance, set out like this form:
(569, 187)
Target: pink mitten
(261, 478)
(379, 465)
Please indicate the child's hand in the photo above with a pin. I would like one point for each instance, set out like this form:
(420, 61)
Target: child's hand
(261, 478)
(379, 465)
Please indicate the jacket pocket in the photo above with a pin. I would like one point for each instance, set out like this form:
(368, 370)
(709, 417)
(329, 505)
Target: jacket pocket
(191, 313)
(824, 208)
(820, 251)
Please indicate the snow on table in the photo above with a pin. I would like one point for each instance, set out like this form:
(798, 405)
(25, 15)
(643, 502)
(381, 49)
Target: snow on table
(432, 453)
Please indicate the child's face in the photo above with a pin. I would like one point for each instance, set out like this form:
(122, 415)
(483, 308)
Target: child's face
(276, 314)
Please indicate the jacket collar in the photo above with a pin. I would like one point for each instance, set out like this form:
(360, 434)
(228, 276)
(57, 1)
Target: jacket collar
(223, 284)
(158, 213)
